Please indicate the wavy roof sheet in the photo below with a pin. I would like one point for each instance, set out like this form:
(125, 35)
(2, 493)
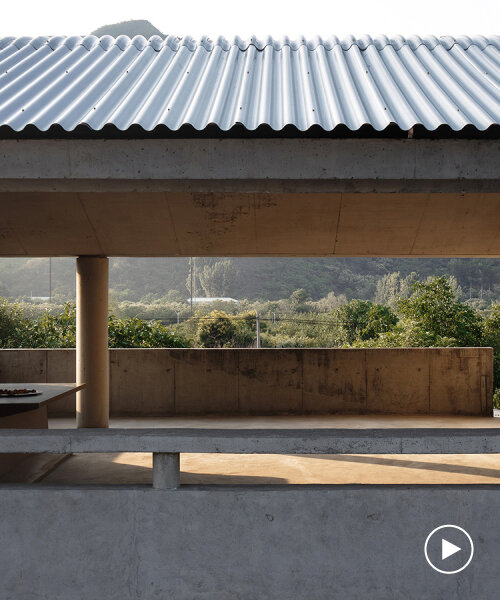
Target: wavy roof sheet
(379, 82)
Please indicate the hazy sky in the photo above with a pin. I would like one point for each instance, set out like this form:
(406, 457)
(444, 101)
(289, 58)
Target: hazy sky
(260, 17)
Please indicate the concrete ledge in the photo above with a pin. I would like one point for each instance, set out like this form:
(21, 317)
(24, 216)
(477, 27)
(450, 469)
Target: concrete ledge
(254, 441)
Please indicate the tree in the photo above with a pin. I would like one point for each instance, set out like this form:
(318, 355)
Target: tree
(363, 320)
(10, 323)
(392, 287)
(218, 279)
(298, 300)
(442, 320)
(330, 302)
(379, 319)
(491, 333)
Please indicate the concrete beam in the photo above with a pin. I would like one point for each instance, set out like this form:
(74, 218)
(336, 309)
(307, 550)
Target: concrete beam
(355, 165)
(255, 441)
(249, 224)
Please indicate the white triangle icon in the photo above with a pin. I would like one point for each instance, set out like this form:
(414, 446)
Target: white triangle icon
(448, 549)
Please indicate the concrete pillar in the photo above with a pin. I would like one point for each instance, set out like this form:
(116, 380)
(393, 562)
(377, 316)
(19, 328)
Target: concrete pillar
(92, 354)
(166, 470)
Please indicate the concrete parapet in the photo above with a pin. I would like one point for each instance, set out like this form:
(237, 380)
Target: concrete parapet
(184, 382)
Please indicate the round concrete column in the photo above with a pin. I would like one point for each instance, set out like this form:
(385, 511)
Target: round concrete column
(92, 354)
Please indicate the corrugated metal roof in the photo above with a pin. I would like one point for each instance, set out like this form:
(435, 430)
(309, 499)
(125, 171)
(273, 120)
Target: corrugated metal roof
(379, 82)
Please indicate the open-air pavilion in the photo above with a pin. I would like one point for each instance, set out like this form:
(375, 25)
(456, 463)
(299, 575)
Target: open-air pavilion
(369, 147)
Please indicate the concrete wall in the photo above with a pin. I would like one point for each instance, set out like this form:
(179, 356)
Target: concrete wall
(242, 543)
(154, 382)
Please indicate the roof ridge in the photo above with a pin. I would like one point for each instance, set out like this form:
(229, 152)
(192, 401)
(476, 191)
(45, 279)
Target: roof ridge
(176, 42)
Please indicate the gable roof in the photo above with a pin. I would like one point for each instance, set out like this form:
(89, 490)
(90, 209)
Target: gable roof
(171, 83)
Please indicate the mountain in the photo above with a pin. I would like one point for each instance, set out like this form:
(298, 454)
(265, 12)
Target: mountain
(130, 28)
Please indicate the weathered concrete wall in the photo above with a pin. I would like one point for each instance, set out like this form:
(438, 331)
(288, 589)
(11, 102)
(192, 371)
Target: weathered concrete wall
(155, 382)
(296, 542)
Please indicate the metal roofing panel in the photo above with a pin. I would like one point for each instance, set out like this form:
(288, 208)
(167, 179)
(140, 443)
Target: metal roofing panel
(378, 82)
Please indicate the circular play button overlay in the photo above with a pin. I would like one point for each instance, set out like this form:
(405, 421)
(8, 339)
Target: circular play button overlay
(449, 549)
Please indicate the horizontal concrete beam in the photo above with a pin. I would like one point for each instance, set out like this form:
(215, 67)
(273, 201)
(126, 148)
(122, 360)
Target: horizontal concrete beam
(254, 161)
(255, 441)
(270, 186)
(249, 224)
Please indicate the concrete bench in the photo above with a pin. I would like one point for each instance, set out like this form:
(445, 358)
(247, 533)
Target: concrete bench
(167, 444)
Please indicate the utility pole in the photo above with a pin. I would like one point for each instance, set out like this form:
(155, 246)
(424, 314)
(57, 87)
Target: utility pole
(50, 279)
(257, 323)
(191, 282)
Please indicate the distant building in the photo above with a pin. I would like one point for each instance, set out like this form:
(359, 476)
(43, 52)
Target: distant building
(208, 300)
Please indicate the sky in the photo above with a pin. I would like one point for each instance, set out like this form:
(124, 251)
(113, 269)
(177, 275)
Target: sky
(259, 17)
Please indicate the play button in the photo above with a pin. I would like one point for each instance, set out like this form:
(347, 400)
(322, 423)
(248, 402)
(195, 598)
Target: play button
(449, 549)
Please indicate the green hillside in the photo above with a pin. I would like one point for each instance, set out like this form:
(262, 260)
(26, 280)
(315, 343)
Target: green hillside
(250, 278)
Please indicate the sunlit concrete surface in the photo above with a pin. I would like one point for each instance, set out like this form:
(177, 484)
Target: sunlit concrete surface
(136, 468)
(293, 422)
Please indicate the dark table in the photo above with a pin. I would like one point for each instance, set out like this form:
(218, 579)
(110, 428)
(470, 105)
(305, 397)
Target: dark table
(28, 412)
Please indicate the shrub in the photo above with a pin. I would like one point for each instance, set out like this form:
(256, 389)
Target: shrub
(496, 399)
(49, 330)
(216, 330)
(137, 333)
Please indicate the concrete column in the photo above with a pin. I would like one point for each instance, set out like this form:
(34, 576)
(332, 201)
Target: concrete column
(166, 470)
(92, 354)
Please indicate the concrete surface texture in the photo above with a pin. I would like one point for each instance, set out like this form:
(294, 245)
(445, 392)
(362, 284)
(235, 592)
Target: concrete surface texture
(295, 422)
(134, 468)
(224, 543)
(250, 197)
(254, 441)
(159, 382)
(249, 224)
(90, 164)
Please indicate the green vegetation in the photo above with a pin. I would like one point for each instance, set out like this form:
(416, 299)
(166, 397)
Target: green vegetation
(58, 330)
(408, 312)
